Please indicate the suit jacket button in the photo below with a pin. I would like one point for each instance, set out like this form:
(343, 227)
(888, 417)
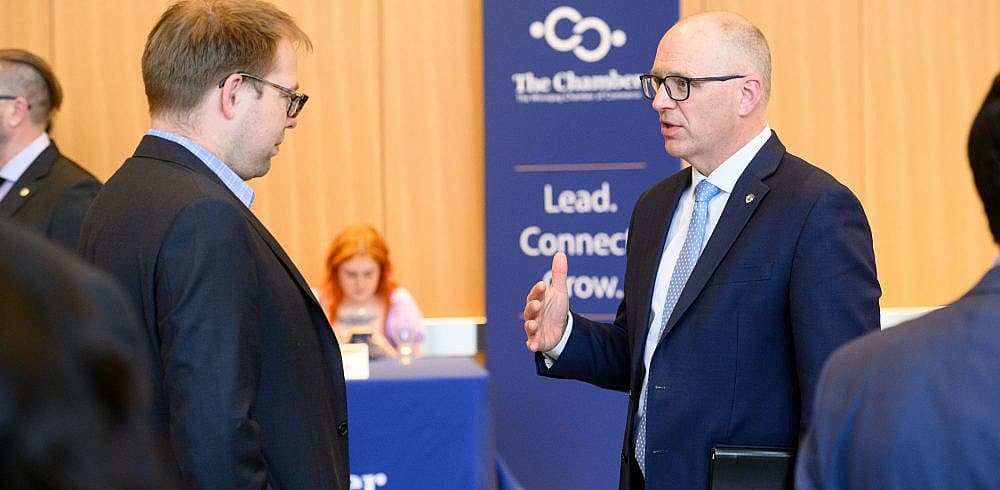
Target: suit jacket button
(342, 429)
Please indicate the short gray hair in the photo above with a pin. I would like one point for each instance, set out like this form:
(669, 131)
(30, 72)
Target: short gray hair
(26, 75)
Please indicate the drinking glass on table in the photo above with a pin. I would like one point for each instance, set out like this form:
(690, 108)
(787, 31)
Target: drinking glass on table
(405, 338)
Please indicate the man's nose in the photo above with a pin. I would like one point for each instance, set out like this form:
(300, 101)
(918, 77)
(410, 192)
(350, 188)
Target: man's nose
(662, 100)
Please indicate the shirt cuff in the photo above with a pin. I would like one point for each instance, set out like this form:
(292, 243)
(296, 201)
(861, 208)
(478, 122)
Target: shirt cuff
(550, 357)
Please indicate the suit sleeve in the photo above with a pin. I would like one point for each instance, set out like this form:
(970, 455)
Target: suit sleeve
(206, 293)
(597, 353)
(807, 464)
(67, 218)
(821, 459)
(833, 288)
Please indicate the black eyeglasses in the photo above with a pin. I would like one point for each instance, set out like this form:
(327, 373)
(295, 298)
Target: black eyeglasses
(296, 100)
(678, 87)
(13, 97)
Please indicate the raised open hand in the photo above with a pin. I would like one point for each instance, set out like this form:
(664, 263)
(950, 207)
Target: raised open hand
(546, 309)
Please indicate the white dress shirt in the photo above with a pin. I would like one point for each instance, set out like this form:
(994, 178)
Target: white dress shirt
(13, 169)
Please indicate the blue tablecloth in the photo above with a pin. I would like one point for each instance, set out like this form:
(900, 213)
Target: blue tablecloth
(426, 425)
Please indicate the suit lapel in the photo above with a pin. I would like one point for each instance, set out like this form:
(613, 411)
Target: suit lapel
(648, 251)
(162, 149)
(738, 211)
(26, 185)
(282, 257)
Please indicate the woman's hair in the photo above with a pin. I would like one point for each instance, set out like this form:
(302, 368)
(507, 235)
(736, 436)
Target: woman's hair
(359, 240)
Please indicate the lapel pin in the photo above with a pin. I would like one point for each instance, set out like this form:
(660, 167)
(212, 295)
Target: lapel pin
(24, 192)
(750, 198)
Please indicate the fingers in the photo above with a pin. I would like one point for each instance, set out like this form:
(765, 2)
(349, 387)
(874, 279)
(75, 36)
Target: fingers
(537, 292)
(531, 329)
(533, 303)
(559, 270)
(531, 310)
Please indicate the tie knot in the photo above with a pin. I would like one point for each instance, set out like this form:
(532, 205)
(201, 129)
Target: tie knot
(705, 191)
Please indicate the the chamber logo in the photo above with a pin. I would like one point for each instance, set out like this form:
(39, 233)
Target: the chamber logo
(574, 43)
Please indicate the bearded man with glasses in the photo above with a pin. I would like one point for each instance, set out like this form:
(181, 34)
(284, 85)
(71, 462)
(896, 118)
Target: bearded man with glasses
(247, 377)
(744, 271)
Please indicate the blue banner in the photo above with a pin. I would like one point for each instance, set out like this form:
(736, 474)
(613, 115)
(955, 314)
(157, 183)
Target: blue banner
(570, 145)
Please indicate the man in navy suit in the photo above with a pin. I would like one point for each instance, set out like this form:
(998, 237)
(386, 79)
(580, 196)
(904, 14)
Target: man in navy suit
(40, 188)
(744, 271)
(915, 406)
(247, 376)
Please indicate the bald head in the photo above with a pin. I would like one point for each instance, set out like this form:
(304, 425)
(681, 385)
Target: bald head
(723, 105)
(730, 41)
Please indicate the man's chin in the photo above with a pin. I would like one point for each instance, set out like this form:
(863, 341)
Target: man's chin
(259, 170)
(673, 149)
(264, 168)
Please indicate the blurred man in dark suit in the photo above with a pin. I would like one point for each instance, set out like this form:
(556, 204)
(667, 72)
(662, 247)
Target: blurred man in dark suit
(248, 378)
(39, 187)
(916, 406)
(72, 409)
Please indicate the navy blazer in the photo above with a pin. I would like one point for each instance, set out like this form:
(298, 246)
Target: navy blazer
(914, 406)
(248, 380)
(51, 197)
(787, 276)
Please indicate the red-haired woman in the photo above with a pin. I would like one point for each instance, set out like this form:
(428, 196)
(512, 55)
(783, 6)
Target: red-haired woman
(362, 301)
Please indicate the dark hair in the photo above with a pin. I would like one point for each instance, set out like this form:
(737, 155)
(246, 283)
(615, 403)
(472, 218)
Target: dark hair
(32, 78)
(984, 156)
(196, 43)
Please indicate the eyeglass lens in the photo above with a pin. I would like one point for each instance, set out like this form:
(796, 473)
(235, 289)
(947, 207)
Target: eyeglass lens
(295, 104)
(677, 87)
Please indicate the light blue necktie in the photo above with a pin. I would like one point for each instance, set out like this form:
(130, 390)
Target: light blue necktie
(693, 243)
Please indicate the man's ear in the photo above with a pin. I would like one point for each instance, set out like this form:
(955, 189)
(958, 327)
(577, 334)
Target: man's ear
(231, 94)
(18, 112)
(751, 93)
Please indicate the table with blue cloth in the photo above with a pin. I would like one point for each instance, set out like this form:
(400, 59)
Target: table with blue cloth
(423, 425)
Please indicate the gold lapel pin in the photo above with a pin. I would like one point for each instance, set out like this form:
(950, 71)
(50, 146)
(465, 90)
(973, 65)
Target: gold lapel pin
(750, 198)
(24, 192)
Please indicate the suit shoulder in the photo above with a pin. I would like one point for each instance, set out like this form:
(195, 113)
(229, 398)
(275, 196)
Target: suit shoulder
(915, 346)
(806, 186)
(73, 171)
(170, 195)
(162, 183)
(807, 176)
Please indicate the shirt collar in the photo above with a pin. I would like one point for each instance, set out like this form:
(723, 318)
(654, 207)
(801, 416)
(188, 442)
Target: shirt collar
(233, 182)
(725, 176)
(16, 167)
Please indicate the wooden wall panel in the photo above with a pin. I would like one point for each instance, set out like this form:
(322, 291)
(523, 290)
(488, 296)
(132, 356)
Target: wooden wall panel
(97, 50)
(852, 85)
(815, 88)
(26, 25)
(880, 94)
(329, 171)
(926, 67)
(434, 151)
